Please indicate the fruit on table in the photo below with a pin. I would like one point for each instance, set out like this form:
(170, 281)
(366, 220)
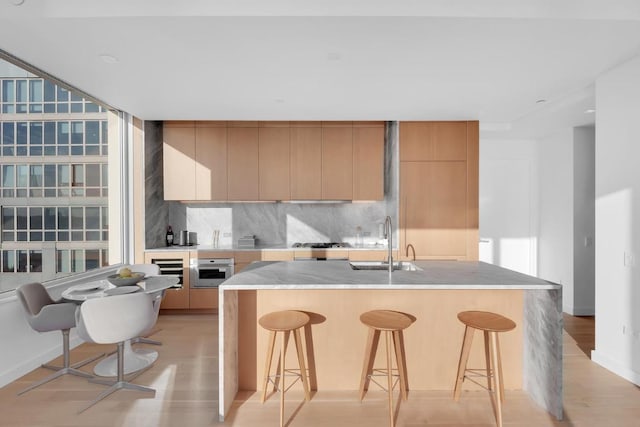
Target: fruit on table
(124, 272)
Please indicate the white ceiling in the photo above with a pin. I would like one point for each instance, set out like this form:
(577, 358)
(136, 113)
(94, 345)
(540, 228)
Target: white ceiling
(490, 60)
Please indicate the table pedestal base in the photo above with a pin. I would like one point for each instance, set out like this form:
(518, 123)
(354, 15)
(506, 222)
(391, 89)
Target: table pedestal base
(134, 360)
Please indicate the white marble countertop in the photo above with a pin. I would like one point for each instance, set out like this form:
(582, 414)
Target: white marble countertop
(178, 248)
(339, 275)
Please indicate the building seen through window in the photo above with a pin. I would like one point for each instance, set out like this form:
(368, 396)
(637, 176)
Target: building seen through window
(53, 180)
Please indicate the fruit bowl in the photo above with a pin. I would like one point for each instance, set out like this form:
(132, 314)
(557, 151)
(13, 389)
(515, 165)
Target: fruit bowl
(117, 280)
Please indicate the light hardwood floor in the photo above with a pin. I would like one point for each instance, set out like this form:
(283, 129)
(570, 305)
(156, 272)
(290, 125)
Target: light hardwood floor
(185, 377)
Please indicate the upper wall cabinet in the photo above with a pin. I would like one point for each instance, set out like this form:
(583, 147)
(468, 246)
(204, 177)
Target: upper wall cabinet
(306, 160)
(211, 161)
(337, 161)
(273, 159)
(368, 161)
(423, 141)
(242, 158)
(248, 161)
(179, 153)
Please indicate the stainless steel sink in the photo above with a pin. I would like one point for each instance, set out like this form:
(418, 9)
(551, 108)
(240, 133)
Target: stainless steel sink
(381, 265)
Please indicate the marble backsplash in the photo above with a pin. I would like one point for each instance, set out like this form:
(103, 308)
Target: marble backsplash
(280, 223)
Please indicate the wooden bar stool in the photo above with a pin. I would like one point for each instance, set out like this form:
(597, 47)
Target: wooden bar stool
(392, 323)
(284, 321)
(490, 324)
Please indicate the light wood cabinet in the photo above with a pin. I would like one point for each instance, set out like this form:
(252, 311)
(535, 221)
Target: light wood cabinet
(433, 141)
(242, 166)
(273, 158)
(178, 167)
(211, 161)
(306, 161)
(368, 162)
(244, 258)
(337, 162)
(174, 298)
(248, 161)
(439, 190)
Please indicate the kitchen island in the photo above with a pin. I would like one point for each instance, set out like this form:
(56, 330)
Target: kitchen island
(335, 295)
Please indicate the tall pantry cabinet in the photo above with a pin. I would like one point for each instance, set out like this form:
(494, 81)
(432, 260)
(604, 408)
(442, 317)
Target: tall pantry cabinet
(439, 189)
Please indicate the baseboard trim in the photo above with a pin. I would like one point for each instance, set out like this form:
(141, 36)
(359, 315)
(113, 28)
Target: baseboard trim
(615, 367)
(34, 362)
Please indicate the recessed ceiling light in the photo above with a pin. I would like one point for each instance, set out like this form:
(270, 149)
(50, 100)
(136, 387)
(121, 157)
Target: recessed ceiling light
(541, 101)
(590, 111)
(109, 59)
(279, 101)
(334, 56)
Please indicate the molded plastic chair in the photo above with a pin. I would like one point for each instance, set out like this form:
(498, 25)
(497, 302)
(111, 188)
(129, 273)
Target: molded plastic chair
(45, 315)
(149, 270)
(115, 319)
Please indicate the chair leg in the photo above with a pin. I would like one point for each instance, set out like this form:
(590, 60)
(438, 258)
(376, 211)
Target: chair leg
(462, 363)
(401, 362)
(66, 369)
(387, 339)
(267, 368)
(369, 359)
(119, 384)
(303, 368)
(495, 362)
(283, 354)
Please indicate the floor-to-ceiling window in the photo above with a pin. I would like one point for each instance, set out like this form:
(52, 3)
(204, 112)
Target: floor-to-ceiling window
(54, 190)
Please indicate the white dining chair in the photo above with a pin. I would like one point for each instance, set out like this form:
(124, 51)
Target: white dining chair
(44, 315)
(115, 319)
(149, 270)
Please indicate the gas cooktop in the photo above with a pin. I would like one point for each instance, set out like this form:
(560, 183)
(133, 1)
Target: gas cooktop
(322, 245)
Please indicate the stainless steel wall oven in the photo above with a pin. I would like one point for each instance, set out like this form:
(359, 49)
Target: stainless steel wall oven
(209, 272)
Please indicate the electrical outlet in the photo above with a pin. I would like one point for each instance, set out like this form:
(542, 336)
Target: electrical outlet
(366, 233)
(226, 234)
(629, 259)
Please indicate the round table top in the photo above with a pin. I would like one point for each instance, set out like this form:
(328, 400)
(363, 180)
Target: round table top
(102, 288)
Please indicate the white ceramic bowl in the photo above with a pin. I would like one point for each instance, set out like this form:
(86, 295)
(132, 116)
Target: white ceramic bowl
(116, 280)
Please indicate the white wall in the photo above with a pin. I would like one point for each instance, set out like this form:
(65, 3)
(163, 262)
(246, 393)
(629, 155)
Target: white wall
(23, 349)
(555, 244)
(508, 204)
(618, 221)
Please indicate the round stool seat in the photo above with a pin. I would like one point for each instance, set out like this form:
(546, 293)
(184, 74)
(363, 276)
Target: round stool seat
(386, 320)
(286, 320)
(486, 321)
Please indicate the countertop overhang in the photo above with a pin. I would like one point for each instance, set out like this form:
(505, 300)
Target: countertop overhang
(339, 275)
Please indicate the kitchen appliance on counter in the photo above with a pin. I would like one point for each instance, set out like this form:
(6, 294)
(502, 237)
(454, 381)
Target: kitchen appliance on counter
(187, 238)
(319, 255)
(209, 272)
(321, 245)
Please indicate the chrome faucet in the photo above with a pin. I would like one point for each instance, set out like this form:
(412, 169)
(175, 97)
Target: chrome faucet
(389, 232)
(412, 250)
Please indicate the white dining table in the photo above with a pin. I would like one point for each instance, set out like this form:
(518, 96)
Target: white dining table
(134, 359)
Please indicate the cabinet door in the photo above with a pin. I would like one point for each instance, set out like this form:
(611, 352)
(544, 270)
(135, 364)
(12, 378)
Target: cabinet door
(433, 211)
(368, 163)
(274, 163)
(337, 163)
(242, 155)
(306, 162)
(211, 162)
(433, 141)
(179, 151)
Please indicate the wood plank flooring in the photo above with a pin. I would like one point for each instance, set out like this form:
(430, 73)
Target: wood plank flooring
(185, 377)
